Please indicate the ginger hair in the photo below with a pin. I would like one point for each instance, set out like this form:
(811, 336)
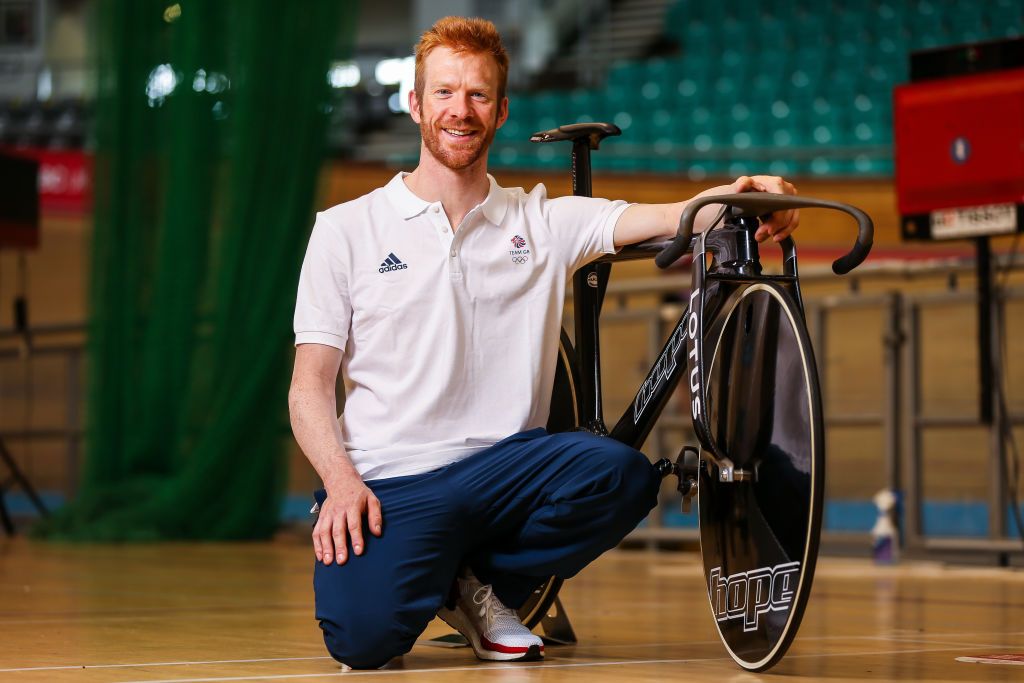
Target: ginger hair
(462, 34)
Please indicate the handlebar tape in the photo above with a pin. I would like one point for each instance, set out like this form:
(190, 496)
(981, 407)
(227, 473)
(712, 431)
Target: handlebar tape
(760, 203)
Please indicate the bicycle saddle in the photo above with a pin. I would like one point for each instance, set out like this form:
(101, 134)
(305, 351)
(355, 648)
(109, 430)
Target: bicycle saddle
(593, 132)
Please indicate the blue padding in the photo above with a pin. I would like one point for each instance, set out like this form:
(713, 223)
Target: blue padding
(1011, 525)
(849, 515)
(947, 518)
(939, 518)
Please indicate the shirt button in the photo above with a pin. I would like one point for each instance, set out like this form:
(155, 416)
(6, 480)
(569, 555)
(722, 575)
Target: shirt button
(452, 253)
(435, 209)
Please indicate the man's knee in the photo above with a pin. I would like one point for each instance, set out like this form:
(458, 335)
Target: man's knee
(626, 469)
(366, 644)
(611, 474)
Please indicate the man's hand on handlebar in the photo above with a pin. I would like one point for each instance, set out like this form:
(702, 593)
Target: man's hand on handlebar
(341, 519)
(780, 224)
(642, 222)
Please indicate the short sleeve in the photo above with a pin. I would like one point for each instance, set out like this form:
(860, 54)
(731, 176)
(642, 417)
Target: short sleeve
(584, 227)
(323, 311)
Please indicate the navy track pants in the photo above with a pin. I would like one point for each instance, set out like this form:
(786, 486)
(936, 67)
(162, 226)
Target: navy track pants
(532, 506)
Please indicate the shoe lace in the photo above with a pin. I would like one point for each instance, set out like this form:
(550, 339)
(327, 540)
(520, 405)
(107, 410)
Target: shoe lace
(490, 605)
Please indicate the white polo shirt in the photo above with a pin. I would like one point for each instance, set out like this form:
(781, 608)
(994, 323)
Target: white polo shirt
(449, 337)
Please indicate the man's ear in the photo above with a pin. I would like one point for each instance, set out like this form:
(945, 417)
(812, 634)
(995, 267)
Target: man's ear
(414, 106)
(502, 112)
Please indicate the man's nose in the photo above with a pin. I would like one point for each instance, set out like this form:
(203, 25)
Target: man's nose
(460, 108)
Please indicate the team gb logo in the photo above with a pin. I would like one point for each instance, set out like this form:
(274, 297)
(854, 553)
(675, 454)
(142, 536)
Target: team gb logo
(519, 253)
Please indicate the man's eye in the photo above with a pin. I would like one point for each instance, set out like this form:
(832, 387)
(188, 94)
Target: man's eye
(443, 91)
(480, 95)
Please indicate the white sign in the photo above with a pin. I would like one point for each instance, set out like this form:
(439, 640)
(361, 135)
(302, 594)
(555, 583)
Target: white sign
(974, 221)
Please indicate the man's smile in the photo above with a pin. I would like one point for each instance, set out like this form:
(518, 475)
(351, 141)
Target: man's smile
(459, 133)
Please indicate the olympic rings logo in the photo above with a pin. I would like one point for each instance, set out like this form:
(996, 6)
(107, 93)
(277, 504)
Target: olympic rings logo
(520, 259)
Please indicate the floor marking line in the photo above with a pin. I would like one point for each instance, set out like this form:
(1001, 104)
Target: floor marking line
(480, 668)
(981, 659)
(126, 666)
(527, 667)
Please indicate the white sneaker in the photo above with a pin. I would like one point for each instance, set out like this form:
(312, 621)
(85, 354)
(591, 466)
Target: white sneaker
(493, 630)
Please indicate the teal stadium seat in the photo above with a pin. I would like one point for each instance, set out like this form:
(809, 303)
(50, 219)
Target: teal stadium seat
(698, 38)
(522, 109)
(617, 95)
(629, 74)
(660, 71)
(925, 26)
(689, 93)
(585, 106)
(733, 32)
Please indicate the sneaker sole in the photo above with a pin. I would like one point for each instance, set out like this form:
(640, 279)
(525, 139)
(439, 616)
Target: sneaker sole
(455, 619)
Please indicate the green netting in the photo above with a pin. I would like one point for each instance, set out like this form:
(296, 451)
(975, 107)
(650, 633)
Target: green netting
(210, 132)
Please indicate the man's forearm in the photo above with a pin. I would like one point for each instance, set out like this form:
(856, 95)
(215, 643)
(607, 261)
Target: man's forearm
(315, 425)
(641, 222)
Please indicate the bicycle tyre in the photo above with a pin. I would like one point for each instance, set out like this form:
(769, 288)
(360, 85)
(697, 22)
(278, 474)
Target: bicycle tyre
(564, 416)
(759, 538)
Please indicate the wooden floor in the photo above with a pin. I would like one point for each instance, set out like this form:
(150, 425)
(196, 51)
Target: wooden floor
(244, 612)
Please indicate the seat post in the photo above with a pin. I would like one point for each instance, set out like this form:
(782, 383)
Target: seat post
(590, 281)
(581, 184)
(587, 291)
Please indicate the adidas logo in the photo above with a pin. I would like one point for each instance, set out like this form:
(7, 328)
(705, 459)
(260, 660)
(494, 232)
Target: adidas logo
(392, 262)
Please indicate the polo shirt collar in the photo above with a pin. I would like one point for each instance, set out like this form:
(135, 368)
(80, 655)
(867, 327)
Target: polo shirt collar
(494, 205)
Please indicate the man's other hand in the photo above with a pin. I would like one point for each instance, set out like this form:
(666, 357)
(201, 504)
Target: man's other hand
(781, 223)
(341, 520)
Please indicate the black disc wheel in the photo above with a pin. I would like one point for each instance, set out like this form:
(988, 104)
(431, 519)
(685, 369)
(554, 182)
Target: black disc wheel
(759, 532)
(564, 417)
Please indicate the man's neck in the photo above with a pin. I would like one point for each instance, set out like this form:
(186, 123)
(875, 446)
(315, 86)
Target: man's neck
(458, 191)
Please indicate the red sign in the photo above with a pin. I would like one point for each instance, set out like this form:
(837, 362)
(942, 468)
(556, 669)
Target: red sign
(65, 181)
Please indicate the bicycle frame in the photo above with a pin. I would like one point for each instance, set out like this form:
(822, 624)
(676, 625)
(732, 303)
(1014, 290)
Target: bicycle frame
(737, 253)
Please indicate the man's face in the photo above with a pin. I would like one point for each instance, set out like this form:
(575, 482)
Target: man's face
(460, 111)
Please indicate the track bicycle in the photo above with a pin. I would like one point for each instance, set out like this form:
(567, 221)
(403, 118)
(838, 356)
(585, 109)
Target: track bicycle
(742, 349)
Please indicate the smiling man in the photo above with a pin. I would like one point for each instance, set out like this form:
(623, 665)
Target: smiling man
(440, 297)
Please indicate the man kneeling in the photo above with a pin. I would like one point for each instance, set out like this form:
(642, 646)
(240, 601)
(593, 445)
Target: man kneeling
(440, 297)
